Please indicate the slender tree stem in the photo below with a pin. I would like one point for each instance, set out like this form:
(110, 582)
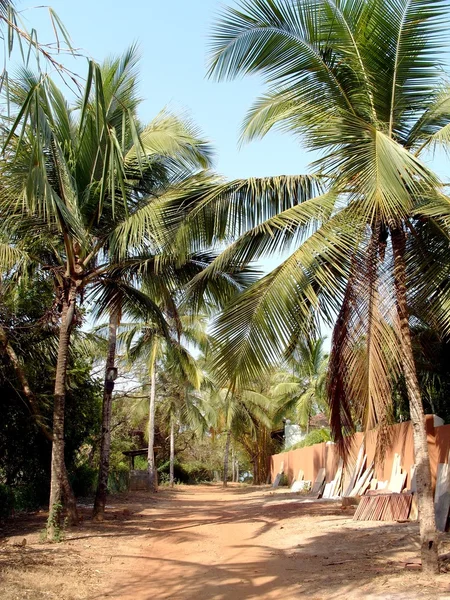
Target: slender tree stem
(428, 533)
(151, 419)
(225, 459)
(105, 445)
(58, 465)
(172, 452)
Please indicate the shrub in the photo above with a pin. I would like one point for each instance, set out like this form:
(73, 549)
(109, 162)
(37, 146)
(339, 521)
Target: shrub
(6, 502)
(84, 480)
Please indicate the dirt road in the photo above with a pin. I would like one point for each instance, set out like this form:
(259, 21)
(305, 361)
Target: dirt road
(205, 543)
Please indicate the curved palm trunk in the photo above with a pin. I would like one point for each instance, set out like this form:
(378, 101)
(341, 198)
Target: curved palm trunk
(58, 472)
(428, 533)
(152, 478)
(172, 453)
(225, 459)
(105, 445)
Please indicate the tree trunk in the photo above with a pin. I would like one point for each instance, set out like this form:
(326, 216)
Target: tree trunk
(58, 465)
(428, 533)
(69, 497)
(172, 453)
(105, 444)
(70, 502)
(225, 459)
(152, 480)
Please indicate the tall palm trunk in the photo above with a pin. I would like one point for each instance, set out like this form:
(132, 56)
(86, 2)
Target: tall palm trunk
(69, 497)
(172, 452)
(152, 482)
(232, 465)
(225, 459)
(428, 533)
(58, 480)
(105, 445)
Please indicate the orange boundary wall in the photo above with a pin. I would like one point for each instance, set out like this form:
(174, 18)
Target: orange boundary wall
(400, 436)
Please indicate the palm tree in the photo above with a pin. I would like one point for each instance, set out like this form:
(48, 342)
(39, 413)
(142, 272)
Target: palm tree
(172, 144)
(362, 83)
(77, 177)
(145, 341)
(182, 405)
(302, 389)
(237, 413)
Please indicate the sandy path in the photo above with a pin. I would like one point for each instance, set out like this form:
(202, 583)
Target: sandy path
(205, 543)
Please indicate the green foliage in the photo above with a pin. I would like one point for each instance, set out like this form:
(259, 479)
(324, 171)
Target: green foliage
(118, 480)
(6, 502)
(27, 315)
(284, 481)
(84, 480)
(316, 436)
(364, 84)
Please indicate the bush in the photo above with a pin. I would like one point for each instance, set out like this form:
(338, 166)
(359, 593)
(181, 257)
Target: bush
(6, 502)
(84, 480)
(29, 497)
(118, 480)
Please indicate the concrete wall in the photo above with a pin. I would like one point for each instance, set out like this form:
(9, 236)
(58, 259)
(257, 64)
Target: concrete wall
(399, 439)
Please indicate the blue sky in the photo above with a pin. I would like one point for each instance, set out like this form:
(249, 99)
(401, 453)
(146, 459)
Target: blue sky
(173, 41)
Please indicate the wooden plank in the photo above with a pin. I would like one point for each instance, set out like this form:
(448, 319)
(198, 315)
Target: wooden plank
(354, 477)
(301, 475)
(361, 481)
(366, 484)
(318, 484)
(277, 480)
(398, 483)
(335, 488)
(276, 483)
(395, 470)
(442, 496)
(327, 490)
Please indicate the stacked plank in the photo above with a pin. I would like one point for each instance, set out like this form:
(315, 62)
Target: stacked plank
(384, 501)
(384, 507)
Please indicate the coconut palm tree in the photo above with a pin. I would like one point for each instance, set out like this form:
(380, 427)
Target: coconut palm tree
(237, 413)
(182, 406)
(76, 175)
(302, 389)
(145, 341)
(362, 83)
(171, 144)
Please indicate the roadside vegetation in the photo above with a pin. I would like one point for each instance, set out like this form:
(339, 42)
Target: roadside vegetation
(133, 313)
